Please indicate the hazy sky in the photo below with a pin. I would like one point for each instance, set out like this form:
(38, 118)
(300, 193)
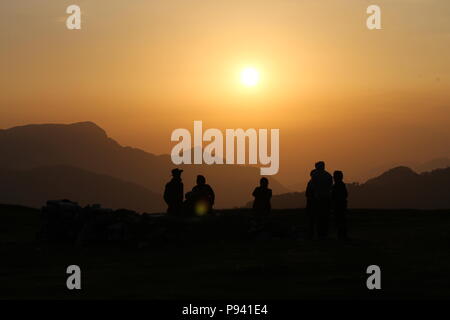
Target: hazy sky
(337, 91)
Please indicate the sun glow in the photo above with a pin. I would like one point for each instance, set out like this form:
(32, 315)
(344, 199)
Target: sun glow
(250, 77)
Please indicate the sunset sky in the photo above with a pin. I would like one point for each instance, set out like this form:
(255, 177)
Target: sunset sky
(356, 98)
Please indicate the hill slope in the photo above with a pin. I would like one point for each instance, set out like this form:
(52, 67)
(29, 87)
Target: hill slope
(87, 146)
(35, 186)
(397, 188)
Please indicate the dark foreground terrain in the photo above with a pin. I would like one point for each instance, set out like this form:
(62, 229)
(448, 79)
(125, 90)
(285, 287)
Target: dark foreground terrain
(229, 257)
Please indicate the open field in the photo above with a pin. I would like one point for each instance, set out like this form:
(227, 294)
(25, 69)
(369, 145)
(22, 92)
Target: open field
(223, 257)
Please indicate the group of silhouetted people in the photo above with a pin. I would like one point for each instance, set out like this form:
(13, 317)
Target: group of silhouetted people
(323, 197)
(325, 194)
(199, 201)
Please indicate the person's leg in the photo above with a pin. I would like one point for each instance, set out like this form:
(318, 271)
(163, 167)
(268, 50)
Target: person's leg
(344, 223)
(327, 217)
(341, 223)
(310, 224)
(312, 213)
(325, 222)
(324, 212)
(320, 222)
(338, 216)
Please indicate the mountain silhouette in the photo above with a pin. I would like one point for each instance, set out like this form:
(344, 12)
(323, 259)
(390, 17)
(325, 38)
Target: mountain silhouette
(399, 175)
(397, 188)
(87, 146)
(438, 163)
(33, 187)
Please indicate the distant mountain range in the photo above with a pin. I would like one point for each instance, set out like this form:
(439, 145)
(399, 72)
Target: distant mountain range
(80, 162)
(437, 163)
(400, 187)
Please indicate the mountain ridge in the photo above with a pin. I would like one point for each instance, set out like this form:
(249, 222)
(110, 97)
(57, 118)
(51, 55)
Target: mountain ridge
(397, 188)
(87, 146)
(33, 187)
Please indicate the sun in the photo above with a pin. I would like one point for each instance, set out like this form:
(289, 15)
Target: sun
(250, 77)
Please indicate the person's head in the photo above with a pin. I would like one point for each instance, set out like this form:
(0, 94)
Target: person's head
(320, 165)
(338, 176)
(264, 182)
(201, 179)
(176, 173)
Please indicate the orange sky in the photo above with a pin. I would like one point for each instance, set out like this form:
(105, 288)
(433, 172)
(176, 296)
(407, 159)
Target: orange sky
(337, 91)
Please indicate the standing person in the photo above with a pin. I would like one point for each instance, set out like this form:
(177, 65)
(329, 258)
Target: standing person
(312, 219)
(173, 193)
(203, 197)
(339, 202)
(262, 195)
(321, 182)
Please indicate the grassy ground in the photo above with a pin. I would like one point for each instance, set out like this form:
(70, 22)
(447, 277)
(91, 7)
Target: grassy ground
(217, 258)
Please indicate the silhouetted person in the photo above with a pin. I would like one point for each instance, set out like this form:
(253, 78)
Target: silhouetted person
(173, 193)
(312, 219)
(202, 197)
(321, 183)
(262, 195)
(339, 203)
